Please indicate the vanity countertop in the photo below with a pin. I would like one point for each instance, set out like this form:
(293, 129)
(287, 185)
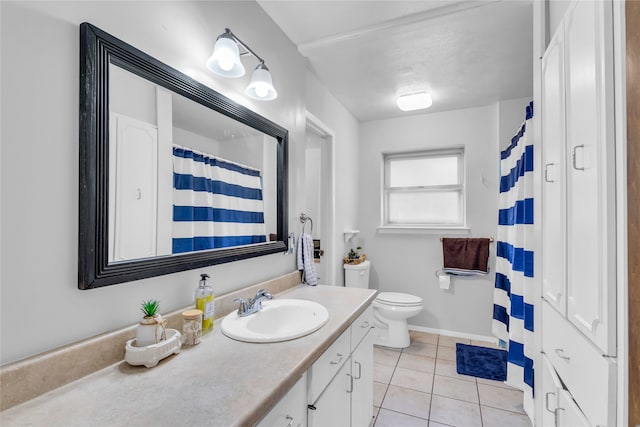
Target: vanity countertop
(220, 382)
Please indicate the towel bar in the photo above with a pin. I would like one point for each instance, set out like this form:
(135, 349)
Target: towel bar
(490, 238)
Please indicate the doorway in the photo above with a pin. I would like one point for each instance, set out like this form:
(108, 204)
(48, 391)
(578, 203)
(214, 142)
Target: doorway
(319, 196)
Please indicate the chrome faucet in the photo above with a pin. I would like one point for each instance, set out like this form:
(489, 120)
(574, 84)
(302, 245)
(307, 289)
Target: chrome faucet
(253, 305)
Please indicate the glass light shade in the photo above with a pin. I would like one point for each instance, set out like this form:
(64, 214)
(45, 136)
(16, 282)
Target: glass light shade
(225, 59)
(261, 86)
(414, 101)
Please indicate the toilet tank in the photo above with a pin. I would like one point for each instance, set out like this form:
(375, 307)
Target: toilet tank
(357, 275)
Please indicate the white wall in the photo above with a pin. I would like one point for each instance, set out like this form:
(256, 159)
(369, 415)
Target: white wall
(41, 306)
(407, 262)
(325, 107)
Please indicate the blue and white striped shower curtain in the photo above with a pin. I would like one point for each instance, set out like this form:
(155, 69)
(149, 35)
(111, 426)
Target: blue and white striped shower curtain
(514, 285)
(216, 203)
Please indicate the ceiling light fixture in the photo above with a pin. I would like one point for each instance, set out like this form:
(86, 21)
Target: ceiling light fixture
(225, 61)
(414, 101)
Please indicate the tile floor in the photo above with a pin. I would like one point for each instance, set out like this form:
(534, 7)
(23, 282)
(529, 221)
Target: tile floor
(419, 386)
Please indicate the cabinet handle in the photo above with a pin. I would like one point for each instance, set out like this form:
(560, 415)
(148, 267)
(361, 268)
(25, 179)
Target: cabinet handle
(350, 389)
(560, 353)
(546, 172)
(359, 369)
(365, 324)
(574, 155)
(290, 419)
(546, 401)
(339, 359)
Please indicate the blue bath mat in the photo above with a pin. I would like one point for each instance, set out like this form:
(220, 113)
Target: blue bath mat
(481, 362)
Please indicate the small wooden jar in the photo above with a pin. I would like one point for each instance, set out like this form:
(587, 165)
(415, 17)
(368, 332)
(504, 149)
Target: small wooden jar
(191, 327)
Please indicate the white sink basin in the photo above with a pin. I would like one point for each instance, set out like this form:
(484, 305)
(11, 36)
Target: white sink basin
(279, 320)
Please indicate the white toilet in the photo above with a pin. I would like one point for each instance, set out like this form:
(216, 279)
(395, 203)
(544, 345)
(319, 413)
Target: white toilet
(391, 309)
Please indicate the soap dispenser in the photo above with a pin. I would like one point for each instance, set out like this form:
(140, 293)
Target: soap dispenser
(204, 301)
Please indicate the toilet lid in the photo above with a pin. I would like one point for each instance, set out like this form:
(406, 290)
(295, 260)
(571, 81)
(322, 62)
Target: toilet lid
(397, 298)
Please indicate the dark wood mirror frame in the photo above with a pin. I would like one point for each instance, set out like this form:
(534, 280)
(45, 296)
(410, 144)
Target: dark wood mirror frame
(97, 50)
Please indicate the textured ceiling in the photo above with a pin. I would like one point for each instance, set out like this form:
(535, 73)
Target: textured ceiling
(465, 53)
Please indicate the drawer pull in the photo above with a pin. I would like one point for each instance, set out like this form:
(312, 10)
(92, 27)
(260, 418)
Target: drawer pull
(560, 353)
(365, 324)
(290, 419)
(546, 399)
(339, 359)
(350, 389)
(546, 173)
(574, 154)
(355, 362)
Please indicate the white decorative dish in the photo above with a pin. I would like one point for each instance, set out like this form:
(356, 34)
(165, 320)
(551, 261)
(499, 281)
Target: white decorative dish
(150, 355)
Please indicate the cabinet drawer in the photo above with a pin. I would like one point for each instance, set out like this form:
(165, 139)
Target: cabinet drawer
(291, 410)
(327, 365)
(588, 376)
(361, 326)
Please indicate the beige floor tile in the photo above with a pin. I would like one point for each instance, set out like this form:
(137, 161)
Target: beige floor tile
(452, 341)
(492, 417)
(415, 380)
(490, 344)
(448, 353)
(388, 418)
(384, 356)
(424, 337)
(454, 412)
(456, 389)
(421, 348)
(382, 373)
(379, 389)
(448, 368)
(501, 398)
(435, 424)
(494, 383)
(407, 401)
(417, 362)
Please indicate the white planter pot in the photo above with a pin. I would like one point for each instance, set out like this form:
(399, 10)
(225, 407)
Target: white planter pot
(150, 331)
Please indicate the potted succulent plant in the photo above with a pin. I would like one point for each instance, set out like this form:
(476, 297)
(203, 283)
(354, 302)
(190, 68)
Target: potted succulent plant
(151, 329)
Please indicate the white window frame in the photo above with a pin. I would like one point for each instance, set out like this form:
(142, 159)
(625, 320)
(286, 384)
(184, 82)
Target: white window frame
(456, 228)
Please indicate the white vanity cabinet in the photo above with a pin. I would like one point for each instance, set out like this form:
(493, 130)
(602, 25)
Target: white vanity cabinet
(340, 382)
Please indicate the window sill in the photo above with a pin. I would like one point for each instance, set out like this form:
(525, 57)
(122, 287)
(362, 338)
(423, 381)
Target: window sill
(415, 229)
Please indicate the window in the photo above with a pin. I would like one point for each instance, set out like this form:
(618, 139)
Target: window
(424, 189)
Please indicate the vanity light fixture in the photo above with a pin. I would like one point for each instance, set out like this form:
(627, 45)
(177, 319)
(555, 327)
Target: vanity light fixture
(414, 101)
(225, 61)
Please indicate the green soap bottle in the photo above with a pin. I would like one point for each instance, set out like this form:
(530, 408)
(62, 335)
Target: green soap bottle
(204, 301)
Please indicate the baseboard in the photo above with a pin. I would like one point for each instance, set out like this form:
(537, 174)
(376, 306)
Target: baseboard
(474, 337)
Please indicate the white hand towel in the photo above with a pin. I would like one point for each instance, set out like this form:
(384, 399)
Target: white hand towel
(305, 259)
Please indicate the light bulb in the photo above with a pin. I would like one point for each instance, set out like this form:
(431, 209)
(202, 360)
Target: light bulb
(225, 61)
(262, 90)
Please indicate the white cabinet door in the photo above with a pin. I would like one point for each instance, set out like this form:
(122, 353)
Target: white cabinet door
(553, 184)
(590, 171)
(362, 372)
(551, 386)
(333, 407)
(569, 414)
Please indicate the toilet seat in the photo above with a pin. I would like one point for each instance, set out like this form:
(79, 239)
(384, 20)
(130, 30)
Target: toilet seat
(398, 299)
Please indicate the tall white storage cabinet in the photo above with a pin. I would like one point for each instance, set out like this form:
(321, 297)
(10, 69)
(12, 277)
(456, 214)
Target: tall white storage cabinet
(578, 212)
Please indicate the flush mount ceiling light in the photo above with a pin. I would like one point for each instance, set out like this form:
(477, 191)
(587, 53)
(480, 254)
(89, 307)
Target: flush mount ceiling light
(414, 101)
(225, 61)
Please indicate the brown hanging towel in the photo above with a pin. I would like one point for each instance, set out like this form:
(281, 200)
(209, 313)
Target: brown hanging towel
(466, 256)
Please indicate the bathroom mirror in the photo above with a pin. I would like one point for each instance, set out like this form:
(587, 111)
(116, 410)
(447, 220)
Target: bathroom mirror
(173, 175)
